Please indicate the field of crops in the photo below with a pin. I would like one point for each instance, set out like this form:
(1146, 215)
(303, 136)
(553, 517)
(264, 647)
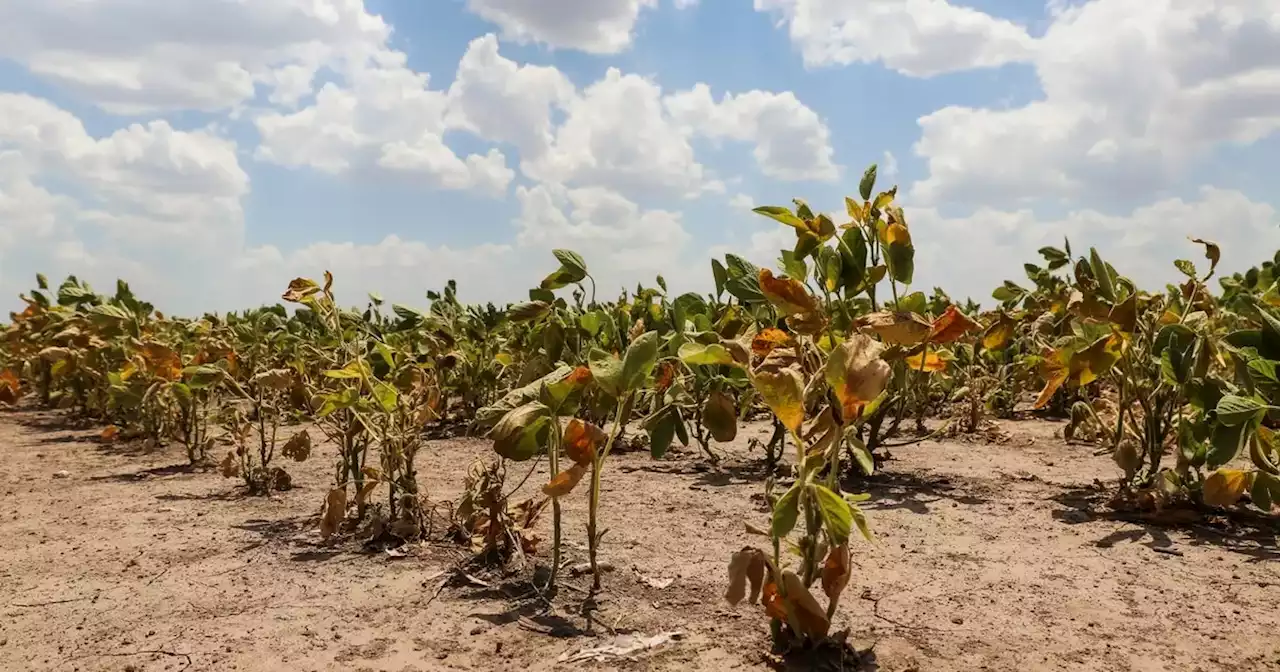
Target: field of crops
(812, 467)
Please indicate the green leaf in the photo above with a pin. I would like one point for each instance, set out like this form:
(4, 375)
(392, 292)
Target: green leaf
(868, 183)
(861, 454)
(721, 275)
(522, 433)
(385, 395)
(1265, 491)
(780, 214)
(1225, 442)
(705, 355)
(592, 322)
(639, 360)
(837, 517)
(786, 511)
(200, 377)
(1185, 267)
(793, 264)
(528, 310)
(572, 262)
(662, 430)
(1101, 274)
(606, 370)
(853, 259)
(1236, 410)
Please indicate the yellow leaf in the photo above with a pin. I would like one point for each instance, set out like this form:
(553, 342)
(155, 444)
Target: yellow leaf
(783, 391)
(109, 434)
(1054, 371)
(1225, 487)
(788, 294)
(930, 363)
(951, 326)
(998, 335)
(768, 339)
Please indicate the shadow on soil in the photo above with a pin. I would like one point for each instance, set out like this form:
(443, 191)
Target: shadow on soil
(1247, 533)
(914, 492)
(183, 469)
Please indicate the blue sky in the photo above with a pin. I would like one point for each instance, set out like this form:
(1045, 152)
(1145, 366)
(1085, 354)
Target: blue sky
(210, 150)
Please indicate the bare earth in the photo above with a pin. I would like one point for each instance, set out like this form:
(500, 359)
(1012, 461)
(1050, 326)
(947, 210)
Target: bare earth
(988, 557)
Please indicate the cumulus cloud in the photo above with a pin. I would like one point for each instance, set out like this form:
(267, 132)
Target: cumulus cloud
(595, 26)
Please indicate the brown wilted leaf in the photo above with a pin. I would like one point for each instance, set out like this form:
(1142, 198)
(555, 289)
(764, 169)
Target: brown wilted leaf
(836, 571)
(10, 387)
(857, 374)
(161, 361)
(565, 481)
(999, 333)
(897, 328)
(788, 294)
(109, 434)
(811, 618)
(335, 511)
(807, 323)
(720, 417)
(279, 479)
(1055, 372)
(299, 289)
(745, 567)
(298, 448)
(230, 467)
(951, 326)
(581, 440)
(666, 374)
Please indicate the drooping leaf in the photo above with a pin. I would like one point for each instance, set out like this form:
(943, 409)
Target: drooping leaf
(747, 566)
(522, 433)
(837, 518)
(788, 294)
(1225, 487)
(639, 360)
(720, 417)
(930, 362)
(951, 326)
(836, 571)
(786, 511)
(783, 391)
(1211, 252)
(780, 214)
(897, 328)
(1235, 410)
(582, 440)
(705, 355)
(857, 374)
(811, 618)
(767, 339)
(564, 482)
(868, 183)
(298, 447)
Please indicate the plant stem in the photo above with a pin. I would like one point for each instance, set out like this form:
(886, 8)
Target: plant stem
(597, 464)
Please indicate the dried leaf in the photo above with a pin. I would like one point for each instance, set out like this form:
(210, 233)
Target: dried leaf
(811, 618)
(298, 448)
(836, 571)
(109, 434)
(720, 417)
(897, 328)
(335, 511)
(929, 363)
(857, 374)
(745, 567)
(951, 326)
(581, 440)
(788, 294)
(230, 467)
(565, 481)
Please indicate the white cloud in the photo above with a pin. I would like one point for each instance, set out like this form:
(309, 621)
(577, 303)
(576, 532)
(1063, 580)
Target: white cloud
(136, 56)
(385, 114)
(1134, 92)
(742, 202)
(920, 38)
(791, 141)
(890, 165)
(595, 26)
(1141, 243)
(500, 100)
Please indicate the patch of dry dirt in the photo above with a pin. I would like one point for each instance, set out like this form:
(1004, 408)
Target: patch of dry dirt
(988, 557)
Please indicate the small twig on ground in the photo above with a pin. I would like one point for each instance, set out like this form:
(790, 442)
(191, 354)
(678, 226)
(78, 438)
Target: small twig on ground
(159, 652)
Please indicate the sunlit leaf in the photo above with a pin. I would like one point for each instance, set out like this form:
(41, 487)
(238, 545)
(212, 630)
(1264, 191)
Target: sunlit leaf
(786, 511)
(857, 374)
(897, 328)
(1225, 487)
(565, 481)
(930, 362)
(783, 391)
(951, 326)
(788, 294)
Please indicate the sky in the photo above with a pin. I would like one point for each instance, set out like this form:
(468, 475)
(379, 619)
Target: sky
(208, 151)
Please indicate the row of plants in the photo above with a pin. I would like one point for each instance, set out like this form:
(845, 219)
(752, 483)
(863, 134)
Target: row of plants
(832, 348)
